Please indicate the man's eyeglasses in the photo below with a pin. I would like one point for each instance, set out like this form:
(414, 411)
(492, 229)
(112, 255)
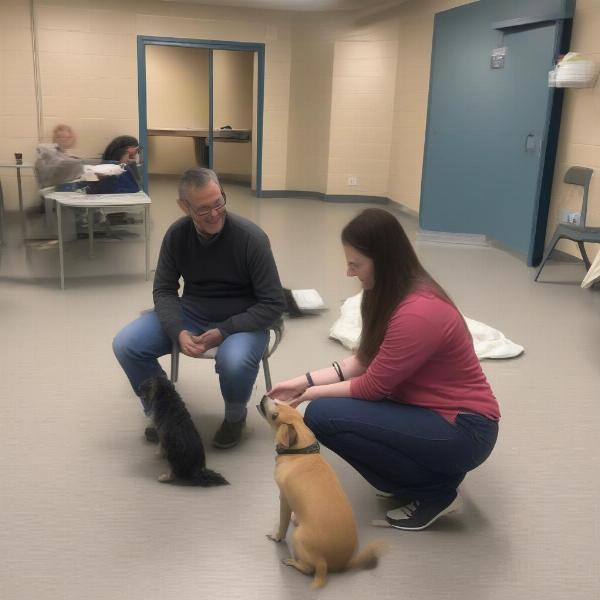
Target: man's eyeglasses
(203, 212)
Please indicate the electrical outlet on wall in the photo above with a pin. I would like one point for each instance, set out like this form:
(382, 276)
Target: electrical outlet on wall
(570, 217)
(352, 180)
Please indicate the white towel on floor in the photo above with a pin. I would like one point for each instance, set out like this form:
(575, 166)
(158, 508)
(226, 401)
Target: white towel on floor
(488, 342)
(593, 275)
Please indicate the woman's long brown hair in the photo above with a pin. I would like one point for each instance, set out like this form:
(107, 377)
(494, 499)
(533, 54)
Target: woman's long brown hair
(379, 236)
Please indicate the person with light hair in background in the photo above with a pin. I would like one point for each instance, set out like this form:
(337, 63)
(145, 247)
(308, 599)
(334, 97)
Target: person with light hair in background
(55, 166)
(64, 137)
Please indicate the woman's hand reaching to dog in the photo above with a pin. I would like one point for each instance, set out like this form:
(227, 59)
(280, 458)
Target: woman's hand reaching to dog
(284, 392)
(288, 390)
(308, 395)
(294, 392)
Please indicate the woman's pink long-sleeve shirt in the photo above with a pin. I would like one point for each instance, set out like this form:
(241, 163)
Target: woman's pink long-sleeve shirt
(427, 359)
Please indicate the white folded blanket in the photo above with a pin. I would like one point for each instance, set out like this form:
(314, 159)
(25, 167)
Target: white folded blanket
(488, 342)
(91, 172)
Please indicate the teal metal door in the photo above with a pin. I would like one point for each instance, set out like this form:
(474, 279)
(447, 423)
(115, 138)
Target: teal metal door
(490, 135)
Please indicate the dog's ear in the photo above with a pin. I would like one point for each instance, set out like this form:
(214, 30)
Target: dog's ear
(286, 436)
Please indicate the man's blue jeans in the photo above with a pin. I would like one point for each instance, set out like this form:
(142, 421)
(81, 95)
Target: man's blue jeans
(400, 448)
(139, 344)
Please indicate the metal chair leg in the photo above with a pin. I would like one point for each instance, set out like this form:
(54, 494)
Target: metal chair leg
(267, 371)
(586, 260)
(174, 365)
(547, 255)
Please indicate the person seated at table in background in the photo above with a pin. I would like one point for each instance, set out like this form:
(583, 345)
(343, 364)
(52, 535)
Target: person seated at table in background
(122, 149)
(54, 165)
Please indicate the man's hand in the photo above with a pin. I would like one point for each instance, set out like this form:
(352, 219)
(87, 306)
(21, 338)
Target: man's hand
(209, 339)
(189, 344)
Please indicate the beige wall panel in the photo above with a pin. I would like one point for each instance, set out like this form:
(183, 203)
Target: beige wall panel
(579, 141)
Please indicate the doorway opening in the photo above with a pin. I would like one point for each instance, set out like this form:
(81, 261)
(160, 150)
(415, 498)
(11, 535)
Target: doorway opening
(201, 104)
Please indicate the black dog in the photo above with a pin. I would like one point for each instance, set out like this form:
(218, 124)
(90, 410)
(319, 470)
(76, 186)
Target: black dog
(180, 442)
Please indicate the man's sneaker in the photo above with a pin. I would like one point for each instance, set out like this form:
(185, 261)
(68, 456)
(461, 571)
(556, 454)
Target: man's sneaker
(229, 434)
(419, 514)
(151, 435)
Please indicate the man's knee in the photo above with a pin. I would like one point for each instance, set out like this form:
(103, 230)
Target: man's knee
(237, 360)
(120, 345)
(236, 365)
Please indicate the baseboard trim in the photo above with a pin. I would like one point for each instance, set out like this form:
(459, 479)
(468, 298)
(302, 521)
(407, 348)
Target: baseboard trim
(324, 197)
(403, 210)
(444, 237)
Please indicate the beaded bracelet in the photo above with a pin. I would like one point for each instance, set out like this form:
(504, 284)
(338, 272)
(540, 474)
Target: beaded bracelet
(338, 370)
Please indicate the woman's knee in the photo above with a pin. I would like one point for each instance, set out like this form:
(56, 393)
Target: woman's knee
(318, 414)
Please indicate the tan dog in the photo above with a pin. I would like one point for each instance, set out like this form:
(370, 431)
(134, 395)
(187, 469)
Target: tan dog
(325, 538)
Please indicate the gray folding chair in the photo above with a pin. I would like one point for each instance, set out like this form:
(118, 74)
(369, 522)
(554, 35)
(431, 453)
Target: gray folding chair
(275, 335)
(577, 233)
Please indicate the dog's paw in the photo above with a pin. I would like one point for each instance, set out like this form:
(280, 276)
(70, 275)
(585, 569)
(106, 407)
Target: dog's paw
(275, 537)
(165, 478)
(288, 562)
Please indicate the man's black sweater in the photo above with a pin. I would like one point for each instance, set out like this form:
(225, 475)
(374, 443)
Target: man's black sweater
(230, 280)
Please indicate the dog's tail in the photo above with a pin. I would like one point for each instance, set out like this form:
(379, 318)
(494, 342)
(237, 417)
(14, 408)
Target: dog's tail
(208, 478)
(369, 557)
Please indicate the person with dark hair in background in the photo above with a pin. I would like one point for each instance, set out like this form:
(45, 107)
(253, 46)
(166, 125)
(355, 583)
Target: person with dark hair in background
(411, 411)
(231, 295)
(122, 149)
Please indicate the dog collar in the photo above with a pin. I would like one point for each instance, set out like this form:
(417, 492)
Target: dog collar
(312, 449)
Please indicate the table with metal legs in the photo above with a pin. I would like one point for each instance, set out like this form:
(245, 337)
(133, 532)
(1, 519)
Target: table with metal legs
(18, 168)
(89, 201)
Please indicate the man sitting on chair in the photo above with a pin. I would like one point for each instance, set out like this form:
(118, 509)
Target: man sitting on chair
(231, 295)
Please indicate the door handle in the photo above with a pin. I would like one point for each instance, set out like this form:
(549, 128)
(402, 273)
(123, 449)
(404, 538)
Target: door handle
(530, 144)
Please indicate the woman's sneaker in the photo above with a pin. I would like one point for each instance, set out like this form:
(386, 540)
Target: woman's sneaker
(420, 514)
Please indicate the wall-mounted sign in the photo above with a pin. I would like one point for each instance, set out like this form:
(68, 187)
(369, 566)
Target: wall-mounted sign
(498, 56)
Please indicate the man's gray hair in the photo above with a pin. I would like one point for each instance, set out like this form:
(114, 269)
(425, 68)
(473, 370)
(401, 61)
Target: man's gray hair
(195, 178)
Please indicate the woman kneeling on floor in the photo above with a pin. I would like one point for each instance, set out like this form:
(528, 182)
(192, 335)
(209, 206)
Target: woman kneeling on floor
(412, 411)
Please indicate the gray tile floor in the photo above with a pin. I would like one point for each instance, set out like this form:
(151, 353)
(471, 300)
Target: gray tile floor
(81, 512)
